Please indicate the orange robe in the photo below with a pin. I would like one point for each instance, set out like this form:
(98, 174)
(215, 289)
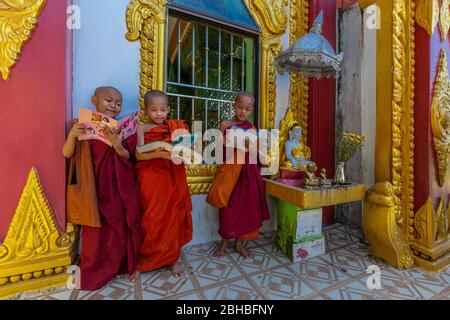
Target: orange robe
(166, 202)
(239, 194)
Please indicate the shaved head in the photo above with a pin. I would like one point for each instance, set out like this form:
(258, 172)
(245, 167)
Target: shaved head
(107, 100)
(152, 94)
(101, 90)
(243, 95)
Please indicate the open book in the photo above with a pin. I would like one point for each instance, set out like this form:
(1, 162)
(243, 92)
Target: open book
(181, 146)
(185, 141)
(95, 121)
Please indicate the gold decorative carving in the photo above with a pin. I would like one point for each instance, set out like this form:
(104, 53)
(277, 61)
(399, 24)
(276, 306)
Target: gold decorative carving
(403, 40)
(146, 22)
(426, 223)
(432, 244)
(272, 18)
(440, 118)
(386, 238)
(200, 178)
(17, 20)
(427, 14)
(444, 22)
(298, 108)
(34, 247)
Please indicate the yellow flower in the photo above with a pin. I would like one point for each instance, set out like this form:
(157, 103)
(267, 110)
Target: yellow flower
(344, 135)
(363, 138)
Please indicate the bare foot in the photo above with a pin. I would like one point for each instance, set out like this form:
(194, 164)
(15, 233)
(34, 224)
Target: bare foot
(132, 277)
(239, 247)
(177, 270)
(221, 250)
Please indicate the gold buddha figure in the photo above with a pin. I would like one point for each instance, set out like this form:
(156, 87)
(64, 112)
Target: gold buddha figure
(296, 154)
(312, 180)
(324, 181)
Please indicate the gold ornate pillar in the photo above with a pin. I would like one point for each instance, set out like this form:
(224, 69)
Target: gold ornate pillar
(271, 17)
(394, 163)
(298, 92)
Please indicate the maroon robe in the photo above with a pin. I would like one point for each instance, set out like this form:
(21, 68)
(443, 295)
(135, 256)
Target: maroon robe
(247, 206)
(114, 247)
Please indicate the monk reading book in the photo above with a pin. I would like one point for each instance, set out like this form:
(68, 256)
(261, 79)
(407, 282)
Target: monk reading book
(165, 197)
(238, 189)
(103, 197)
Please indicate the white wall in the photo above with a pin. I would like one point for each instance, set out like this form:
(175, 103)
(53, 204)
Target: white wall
(283, 83)
(102, 55)
(369, 100)
(357, 100)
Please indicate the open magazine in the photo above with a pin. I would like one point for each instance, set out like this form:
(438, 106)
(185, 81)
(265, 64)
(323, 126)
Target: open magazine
(95, 121)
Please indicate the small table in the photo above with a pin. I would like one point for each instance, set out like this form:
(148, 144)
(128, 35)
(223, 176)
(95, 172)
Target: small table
(315, 198)
(292, 201)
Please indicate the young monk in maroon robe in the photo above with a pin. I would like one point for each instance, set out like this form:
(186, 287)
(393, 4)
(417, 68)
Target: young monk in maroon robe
(110, 241)
(238, 189)
(165, 196)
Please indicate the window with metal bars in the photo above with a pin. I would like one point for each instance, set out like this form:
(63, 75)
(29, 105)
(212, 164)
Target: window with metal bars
(207, 66)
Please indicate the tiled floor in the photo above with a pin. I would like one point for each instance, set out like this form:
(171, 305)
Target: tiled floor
(339, 274)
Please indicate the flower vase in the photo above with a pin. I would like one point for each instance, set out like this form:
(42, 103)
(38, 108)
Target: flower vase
(340, 177)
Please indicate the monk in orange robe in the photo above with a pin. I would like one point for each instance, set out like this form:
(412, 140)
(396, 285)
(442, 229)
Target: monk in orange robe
(238, 189)
(165, 197)
(104, 198)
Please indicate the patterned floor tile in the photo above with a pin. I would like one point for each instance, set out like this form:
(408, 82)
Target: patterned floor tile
(397, 287)
(259, 260)
(186, 296)
(355, 230)
(265, 238)
(275, 252)
(236, 290)
(358, 248)
(339, 238)
(347, 261)
(199, 251)
(341, 273)
(117, 289)
(51, 294)
(213, 270)
(355, 290)
(319, 272)
(161, 284)
(281, 284)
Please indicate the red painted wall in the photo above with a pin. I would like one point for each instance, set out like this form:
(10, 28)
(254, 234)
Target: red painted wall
(426, 171)
(33, 113)
(322, 102)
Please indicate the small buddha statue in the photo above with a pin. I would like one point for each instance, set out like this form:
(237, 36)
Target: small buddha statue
(311, 180)
(324, 181)
(296, 153)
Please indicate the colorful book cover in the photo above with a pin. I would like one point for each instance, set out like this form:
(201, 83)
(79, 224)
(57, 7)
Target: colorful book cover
(95, 121)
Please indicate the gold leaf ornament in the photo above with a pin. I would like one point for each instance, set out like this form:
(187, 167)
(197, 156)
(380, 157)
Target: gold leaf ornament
(17, 19)
(444, 22)
(440, 118)
(427, 14)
